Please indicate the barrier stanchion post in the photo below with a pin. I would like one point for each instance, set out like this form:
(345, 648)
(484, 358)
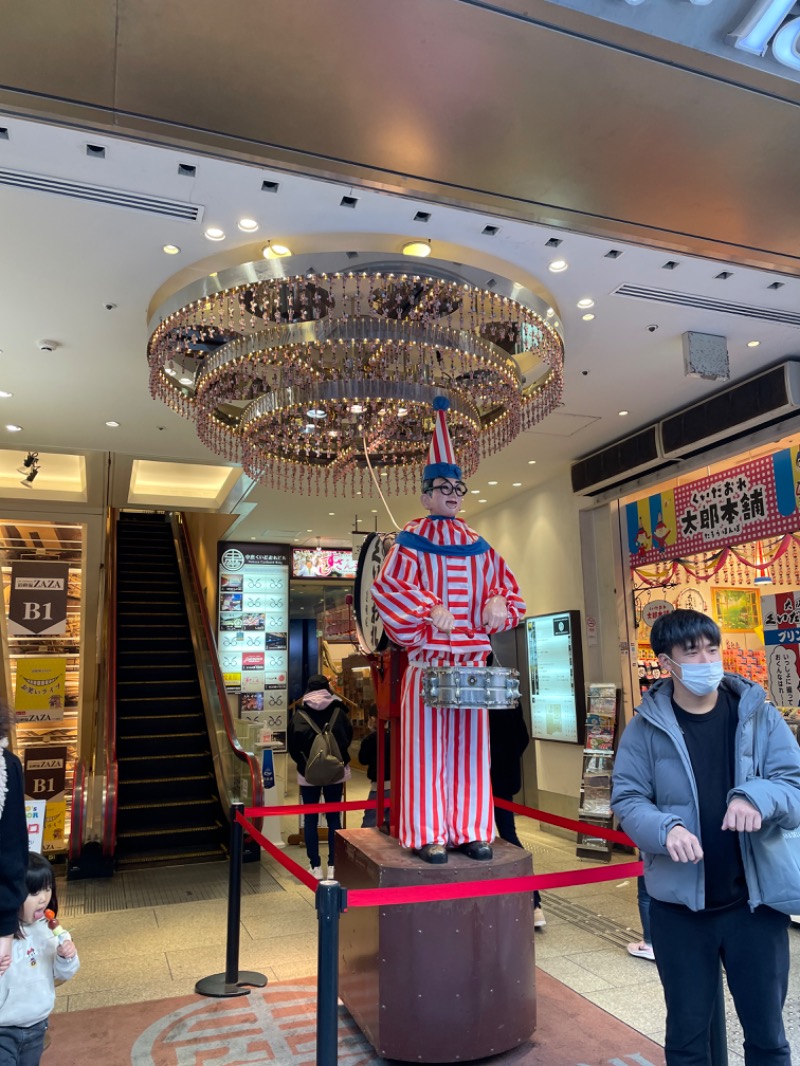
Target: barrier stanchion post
(718, 1030)
(232, 981)
(331, 900)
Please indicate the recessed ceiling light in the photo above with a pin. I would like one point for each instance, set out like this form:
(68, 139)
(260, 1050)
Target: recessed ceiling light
(586, 302)
(531, 462)
(308, 531)
(331, 514)
(421, 249)
(492, 482)
(623, 413)
(481, 501)
(5, 395)
(113, 425)
(14, 429)
(516, 484)
(315, 412)
(214, 274)
(247, 225)
(474, 491)
(214, 233)
(186, 381)
(275, 251)
(374, 510)
(558, 266)
(753, 344)
(171, 249)
(588, 317)
(550, 312)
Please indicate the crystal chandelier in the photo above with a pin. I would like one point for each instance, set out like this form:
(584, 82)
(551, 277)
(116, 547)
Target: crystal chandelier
(308, 370)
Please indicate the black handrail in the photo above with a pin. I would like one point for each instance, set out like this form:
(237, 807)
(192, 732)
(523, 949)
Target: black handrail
(209, 645)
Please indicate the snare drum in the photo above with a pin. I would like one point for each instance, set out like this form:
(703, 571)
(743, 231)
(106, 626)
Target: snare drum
(470, 686)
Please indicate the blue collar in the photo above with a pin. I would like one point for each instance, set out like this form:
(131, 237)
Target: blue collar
(407, 539)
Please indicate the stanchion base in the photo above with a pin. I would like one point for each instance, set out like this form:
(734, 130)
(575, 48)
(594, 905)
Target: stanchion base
(217, 985)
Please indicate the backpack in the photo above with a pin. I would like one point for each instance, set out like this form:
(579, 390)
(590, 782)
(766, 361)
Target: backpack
(324, 764)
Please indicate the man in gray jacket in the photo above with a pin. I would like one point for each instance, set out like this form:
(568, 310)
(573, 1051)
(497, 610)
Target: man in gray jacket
(686, 791)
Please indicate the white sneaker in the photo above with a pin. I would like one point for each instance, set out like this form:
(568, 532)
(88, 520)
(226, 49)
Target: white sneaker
(539, 921)
(316, 871)
(331, 876)
(641, 950)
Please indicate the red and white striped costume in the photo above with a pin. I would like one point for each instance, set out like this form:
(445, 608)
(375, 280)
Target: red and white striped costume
(446, 795)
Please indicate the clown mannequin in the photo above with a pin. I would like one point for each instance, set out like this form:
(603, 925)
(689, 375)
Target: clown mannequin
(440, 592)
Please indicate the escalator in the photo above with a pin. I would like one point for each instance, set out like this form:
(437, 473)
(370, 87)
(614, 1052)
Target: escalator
(165, 764)
(168, 806)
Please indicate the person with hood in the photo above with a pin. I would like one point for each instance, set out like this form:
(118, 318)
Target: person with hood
(13, 841)
(705, 763)
(320, 706)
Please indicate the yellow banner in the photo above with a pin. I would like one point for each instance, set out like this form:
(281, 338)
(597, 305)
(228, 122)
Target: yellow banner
(40, 689)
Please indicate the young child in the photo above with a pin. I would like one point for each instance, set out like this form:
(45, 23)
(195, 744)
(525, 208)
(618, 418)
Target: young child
(39, 956)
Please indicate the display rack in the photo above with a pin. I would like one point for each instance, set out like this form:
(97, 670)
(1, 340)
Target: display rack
(602, 713)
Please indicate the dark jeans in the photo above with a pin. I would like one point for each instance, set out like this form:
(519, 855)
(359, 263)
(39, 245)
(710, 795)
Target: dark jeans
(370, 819)
(753, 948)
(22, 1046)
(311, 794)
(507, 830)
(643, 899)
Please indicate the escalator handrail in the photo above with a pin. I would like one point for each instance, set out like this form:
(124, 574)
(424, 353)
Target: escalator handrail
(112, 769)
(78, 810)
(240, 753)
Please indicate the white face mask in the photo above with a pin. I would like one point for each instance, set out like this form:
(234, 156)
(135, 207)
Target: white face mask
(701, 679)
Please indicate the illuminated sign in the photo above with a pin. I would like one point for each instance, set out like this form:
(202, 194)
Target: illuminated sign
(324, 562)
(770, 29)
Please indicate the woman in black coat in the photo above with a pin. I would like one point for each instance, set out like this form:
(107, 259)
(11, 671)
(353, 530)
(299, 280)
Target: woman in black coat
(319, 703)
(13, 841)
(508, 739)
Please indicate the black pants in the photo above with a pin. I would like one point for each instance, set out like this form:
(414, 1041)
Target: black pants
(314, 794)
(754, 949)
(507, 830)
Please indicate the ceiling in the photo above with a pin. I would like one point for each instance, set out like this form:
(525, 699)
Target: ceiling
(701, 172)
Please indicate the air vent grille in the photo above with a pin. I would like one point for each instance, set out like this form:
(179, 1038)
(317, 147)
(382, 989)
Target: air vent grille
(622, 460)
(153, 205)
(708, 303)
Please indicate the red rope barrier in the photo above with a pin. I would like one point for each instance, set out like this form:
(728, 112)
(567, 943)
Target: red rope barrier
(587, 828)
(378, 897)
(310, 808)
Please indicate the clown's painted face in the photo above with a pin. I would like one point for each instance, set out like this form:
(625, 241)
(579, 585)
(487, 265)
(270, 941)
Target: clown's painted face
(444, 498)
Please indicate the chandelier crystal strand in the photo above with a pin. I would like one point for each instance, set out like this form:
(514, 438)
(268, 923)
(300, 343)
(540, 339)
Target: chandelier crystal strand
(291, 375)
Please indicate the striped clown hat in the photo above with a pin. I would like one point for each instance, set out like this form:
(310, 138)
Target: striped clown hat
(441, 458)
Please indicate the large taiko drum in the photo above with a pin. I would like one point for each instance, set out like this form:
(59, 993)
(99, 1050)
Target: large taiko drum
(470, 686)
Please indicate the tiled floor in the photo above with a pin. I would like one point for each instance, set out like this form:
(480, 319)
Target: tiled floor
(153, 934)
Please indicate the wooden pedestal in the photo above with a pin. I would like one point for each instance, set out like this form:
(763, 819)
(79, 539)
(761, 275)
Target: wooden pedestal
(436, 982)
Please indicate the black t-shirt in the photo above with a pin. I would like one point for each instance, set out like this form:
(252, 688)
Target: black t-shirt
(711, 738)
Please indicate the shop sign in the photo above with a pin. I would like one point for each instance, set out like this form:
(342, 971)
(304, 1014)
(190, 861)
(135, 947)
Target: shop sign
(45, 779)
(745, 503)
(654, 610)
(38, 600)
(758, 28)
(781, 616)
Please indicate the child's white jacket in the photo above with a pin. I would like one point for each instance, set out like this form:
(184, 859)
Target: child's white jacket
(27, 988)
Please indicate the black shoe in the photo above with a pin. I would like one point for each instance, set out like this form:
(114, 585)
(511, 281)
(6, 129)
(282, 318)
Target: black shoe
(477, 849)
(436, 854)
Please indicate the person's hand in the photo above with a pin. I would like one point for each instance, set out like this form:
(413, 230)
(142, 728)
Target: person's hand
(67, 950)
(442, 618)
(682, 845)
(495, 613)
(6, 943)
(741, 816)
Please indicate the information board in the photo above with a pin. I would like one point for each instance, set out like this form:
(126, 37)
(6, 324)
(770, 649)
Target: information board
(253, 634)
(553, 677)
